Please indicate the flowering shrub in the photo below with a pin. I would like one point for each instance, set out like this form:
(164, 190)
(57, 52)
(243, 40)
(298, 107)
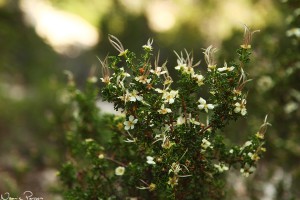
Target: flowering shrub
(169, 142)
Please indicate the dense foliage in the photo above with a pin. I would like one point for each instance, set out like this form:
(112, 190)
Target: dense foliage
(169, 143)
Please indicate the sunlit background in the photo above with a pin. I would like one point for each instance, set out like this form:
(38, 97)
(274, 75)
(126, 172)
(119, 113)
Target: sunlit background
(39, 39)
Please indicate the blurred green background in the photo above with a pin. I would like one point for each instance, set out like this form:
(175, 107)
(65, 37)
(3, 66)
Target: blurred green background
(40, 39)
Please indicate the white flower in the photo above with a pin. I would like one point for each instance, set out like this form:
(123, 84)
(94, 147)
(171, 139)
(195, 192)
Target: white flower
(248, 143)
(231, 151)
(168, 80)
(193, 121)
(167, 144)
(101, 156)
(181, 62)
(164, 110)
(121, 77)
(293, 31)
(119, 171)
(115, 42)
(247, 170)
(189, 70)
(180, 65)
(92, 79)
(225, 68)
(106, 79)
(175, 168)
(89, 140)
(180, 120)
(254, 156)
(173, 181)
(210, 58)
(125, 97)
(169, 97)
(158, 71)
(204, 105)
(160, 90)
(250, 155)
(205, 143)
(148, 46)
(199, 79)
(130, 123)
(134, 96)
(123, 73)
(133, 140)
(185, 64)
(150, 160)
(265, 83)
(185, 69)
(105, 71)
(241, 107)
(221, 167)
(142, 79)
(166, 128)
(291, 107)
(248, 37)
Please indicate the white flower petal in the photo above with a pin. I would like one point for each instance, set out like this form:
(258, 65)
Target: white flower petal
(201, 106)
(210, 106)
(244, 112)
(237, 110)
(202, 101)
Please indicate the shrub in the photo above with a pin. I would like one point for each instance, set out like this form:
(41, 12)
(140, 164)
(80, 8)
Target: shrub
(168, 144)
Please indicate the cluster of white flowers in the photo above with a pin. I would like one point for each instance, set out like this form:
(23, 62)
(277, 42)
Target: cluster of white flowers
(176, 167)
(221, 167)
(205, 144)
(148, 78)
(247, 170)
(186, 66)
